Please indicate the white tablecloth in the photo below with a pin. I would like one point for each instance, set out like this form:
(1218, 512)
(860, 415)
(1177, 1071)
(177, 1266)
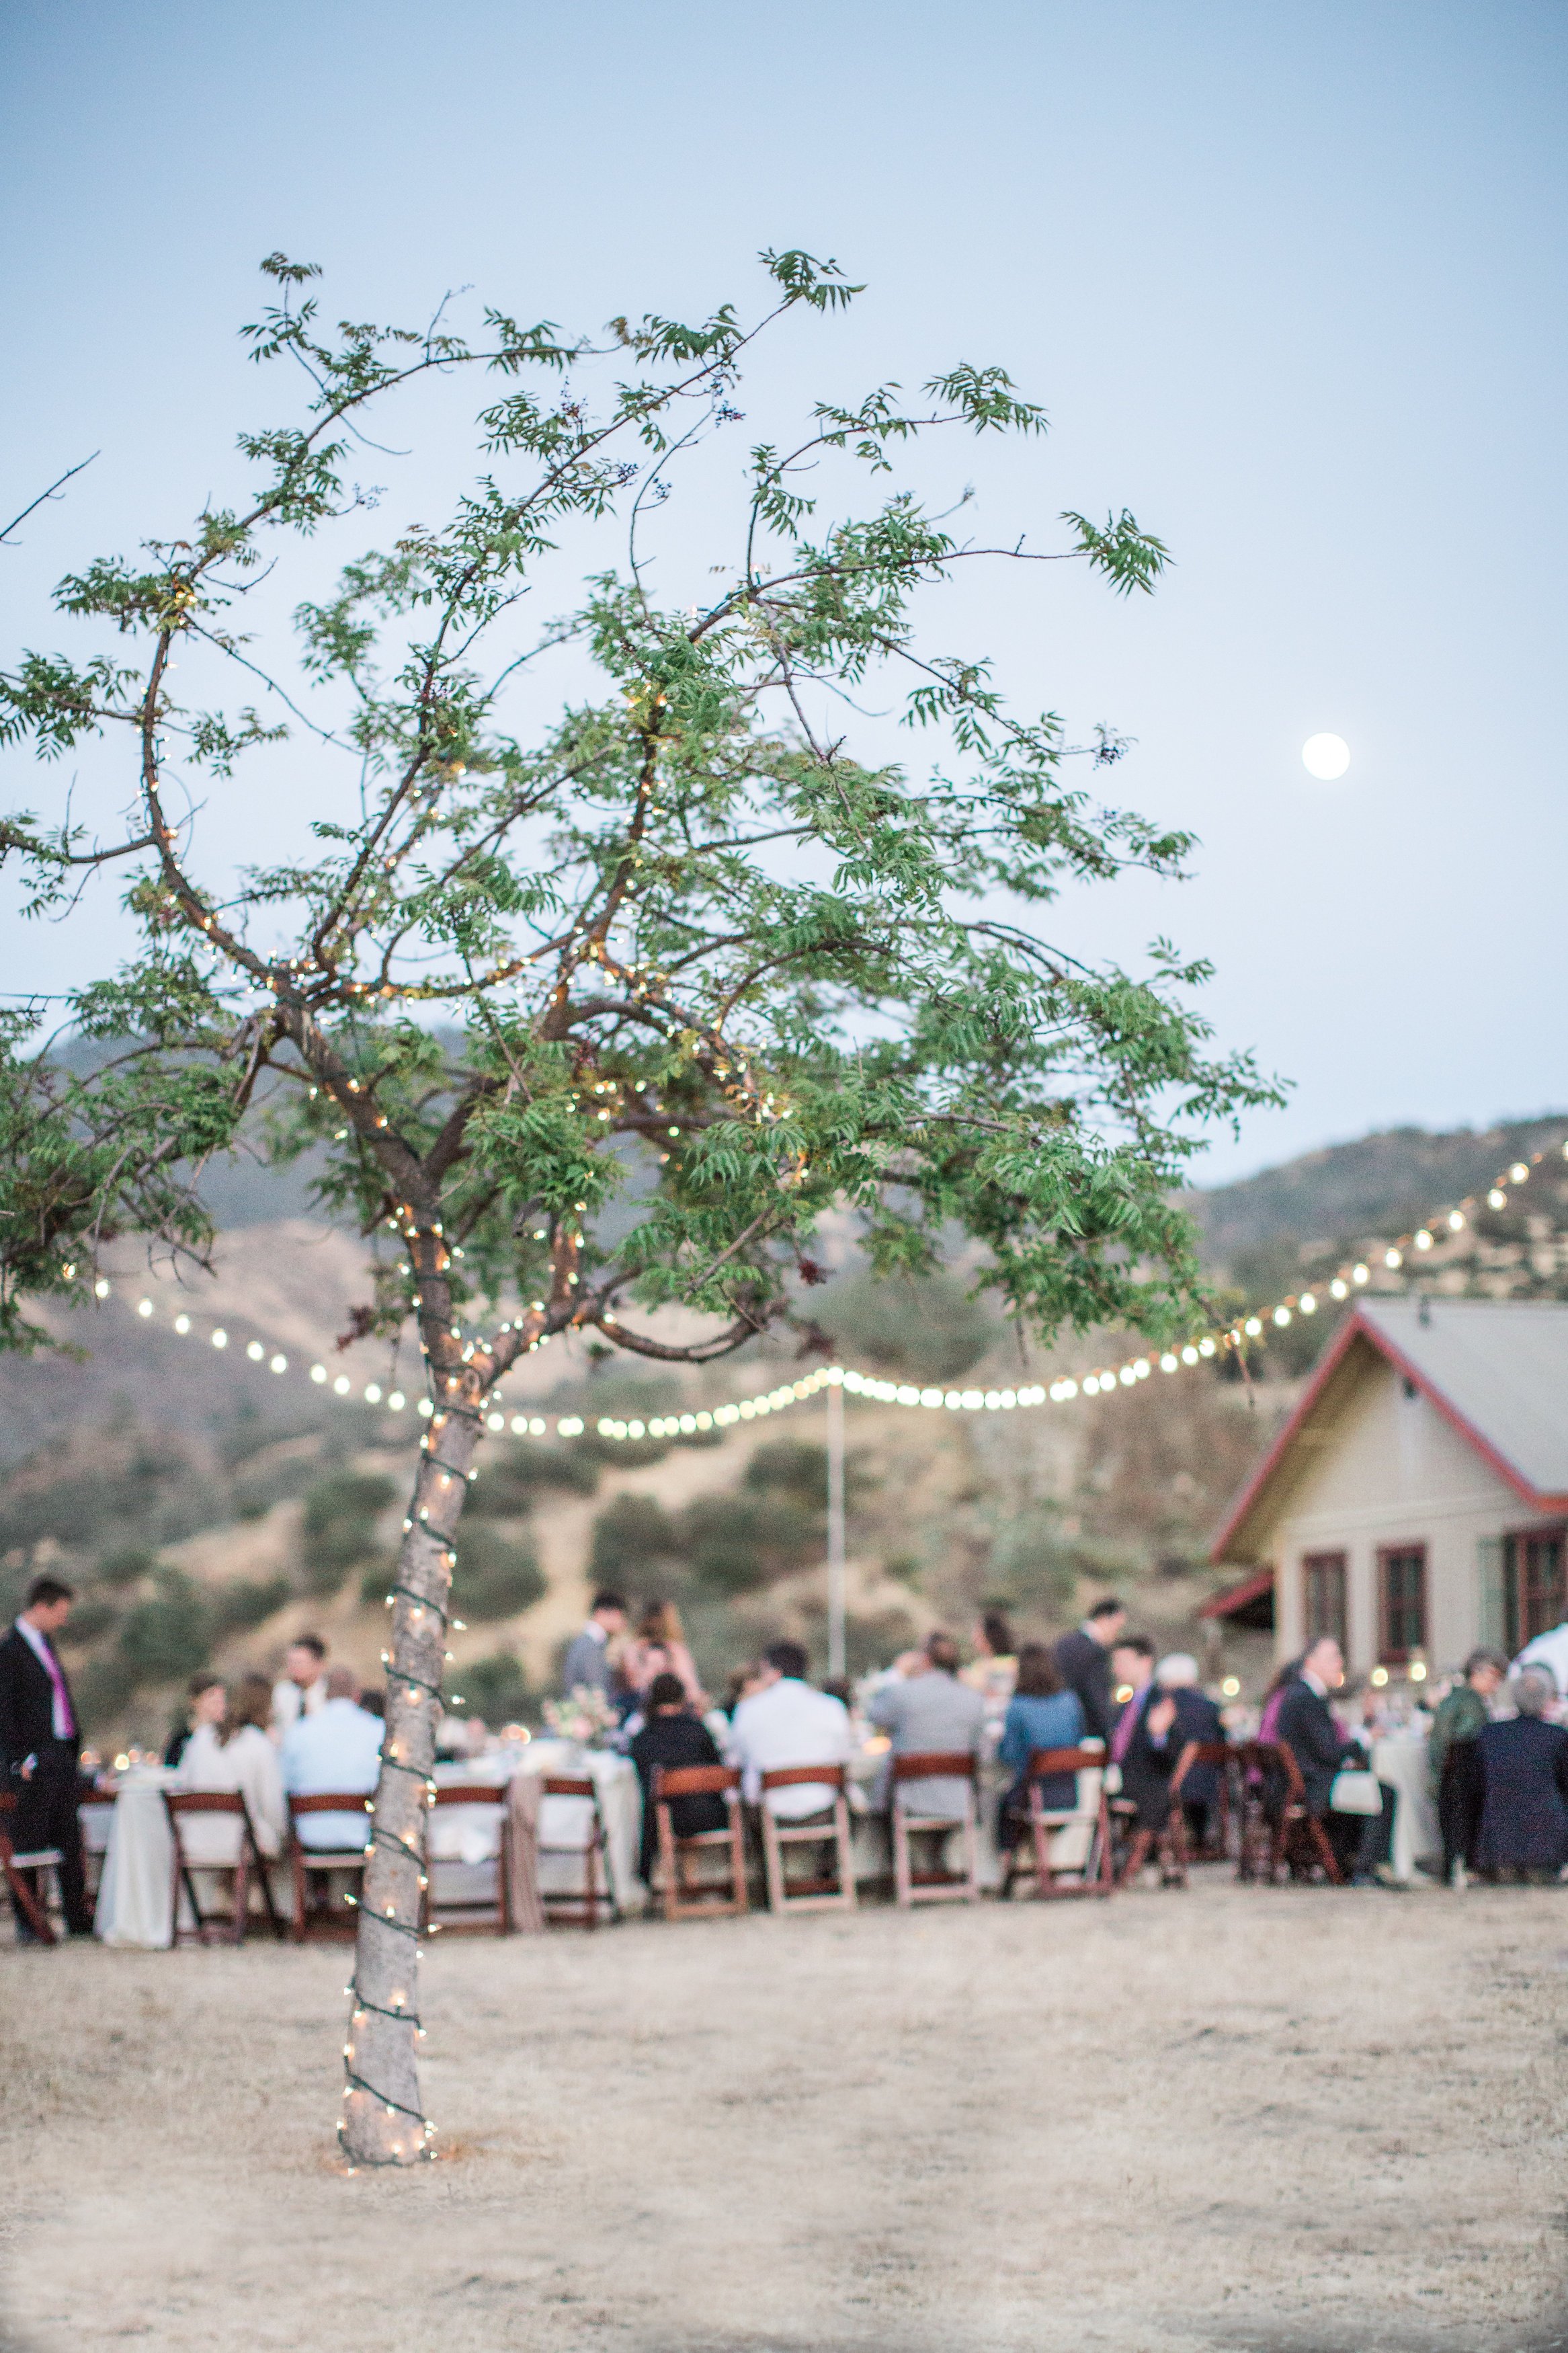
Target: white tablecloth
(464, 1840)
(1403, 1765)
(134, 1893)
(871, 1848)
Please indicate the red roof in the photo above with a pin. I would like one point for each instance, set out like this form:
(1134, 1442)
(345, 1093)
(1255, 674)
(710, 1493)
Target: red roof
(1237, 1596)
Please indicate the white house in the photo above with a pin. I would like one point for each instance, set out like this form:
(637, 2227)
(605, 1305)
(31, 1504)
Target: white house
(1416, 1502)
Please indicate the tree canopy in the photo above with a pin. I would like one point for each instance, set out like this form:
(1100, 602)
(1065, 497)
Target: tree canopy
(677, 942)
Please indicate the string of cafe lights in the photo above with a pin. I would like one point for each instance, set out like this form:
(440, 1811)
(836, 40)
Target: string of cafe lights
(1407, 1250)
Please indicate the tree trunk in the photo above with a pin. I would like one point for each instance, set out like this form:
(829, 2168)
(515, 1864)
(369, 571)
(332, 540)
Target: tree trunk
(382, 2122)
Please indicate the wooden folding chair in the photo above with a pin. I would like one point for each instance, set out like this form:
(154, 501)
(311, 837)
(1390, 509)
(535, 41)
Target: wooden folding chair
(582, 1910)
(27, 1905)
(210, 1926)
(1170, 1844)
(1276, 1830)
(1094, 1873)
(1222, 1756)
(304, 1860)
(937, 1885)
(820, 1894)
(683, 1896)
(481, 1914)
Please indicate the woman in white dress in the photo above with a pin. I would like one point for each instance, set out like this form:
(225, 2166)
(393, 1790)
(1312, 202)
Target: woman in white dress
(230, 1748)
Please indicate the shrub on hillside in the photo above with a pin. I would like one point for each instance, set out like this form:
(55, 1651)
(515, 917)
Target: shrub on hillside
(496, 1688)
(340, 1513)
(495, 1578)
(168, 1636)
(632, 1535)
(510, 1480)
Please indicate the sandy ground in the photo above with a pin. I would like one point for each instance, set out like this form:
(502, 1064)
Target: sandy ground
(1235, 2119)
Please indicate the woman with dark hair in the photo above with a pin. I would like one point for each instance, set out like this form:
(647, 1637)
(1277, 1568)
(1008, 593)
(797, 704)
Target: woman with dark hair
(237, 1753)
(660, 1648)
(205, 1700)
(1040, 1715)
(673, 1736)
(994, 1670)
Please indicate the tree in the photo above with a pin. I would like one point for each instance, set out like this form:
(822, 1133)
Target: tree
(686, 946)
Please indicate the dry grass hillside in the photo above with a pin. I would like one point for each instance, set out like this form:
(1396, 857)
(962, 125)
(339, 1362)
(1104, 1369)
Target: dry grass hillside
(208, 1509)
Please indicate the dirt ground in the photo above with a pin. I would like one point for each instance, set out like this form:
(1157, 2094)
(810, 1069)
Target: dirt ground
(1301, 2119)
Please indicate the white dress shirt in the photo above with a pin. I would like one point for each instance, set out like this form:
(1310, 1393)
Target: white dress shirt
(339, 1747)
(289, 1703)
(790, 1724)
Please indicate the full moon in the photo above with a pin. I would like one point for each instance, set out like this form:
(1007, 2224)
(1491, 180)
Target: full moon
(1326, 757)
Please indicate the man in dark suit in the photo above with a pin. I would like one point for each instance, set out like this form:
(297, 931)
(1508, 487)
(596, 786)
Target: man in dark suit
(1305, 1725)
(38, 1738)
(1083, 1662)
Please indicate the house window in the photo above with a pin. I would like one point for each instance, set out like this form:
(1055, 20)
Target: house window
(1402, 1576)
(1323, 1595)
(1534, 1587)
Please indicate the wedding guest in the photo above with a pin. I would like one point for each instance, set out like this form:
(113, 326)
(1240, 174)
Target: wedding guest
(1454, 1759)
(40, 1735)
(1041, 1713)
(1131, 1673)
(199, 1690)
(672, 1735)
(660, 1648)
(303, 1689)
(1198, 1720)
(1142, 1741)
(928, 1709)
(230, 1748)
(586, 1666)
(1305, 1725)
(338, 1747)
(372, 1699)
(994, 1670)
(1083, 1663)
(741, 1683)
(1524, 1768)
(787, 1723)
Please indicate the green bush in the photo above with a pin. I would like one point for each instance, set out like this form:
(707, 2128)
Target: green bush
(510, 1480)
(102, 1690)
(793, 1467)
(735, 1544)
(340, 1513)
(494, 1578)
(631, 1535)
(928, 1329)
(247, 1601)
(170, 1635)
(126, 1565)
(496, 1688)
(90, 1619)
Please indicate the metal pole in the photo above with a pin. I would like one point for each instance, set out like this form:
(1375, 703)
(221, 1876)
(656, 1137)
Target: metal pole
(835, 1651)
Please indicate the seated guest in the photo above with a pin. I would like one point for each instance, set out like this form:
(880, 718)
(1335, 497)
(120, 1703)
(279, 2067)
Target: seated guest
(787, 1723)
(1040, 1715)
(230, 1749)
(586, 1666)
(1131, 1673)
(928, 1708)
(672, 1735)
(199, 1690)
(304, 1685)
(660, 1648)
(338, 1747)
(1525, 1771)
(1454, 1759)
(1142, 1741)
(1305, 1725)
(1197, 1720)
(994, 1670)
(742, 1682)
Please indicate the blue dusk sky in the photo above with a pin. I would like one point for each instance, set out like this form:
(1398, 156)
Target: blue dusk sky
(1288, 281)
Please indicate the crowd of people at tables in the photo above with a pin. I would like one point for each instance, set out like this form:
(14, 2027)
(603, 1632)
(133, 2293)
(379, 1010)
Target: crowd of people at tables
(1498, 1757)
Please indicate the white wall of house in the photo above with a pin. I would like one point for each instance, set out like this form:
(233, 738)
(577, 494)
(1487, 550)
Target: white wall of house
(1380, 1465)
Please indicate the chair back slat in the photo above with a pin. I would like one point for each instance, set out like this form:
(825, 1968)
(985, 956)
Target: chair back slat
(693, 1780)
(936, 1765)
(470, 1793)
(557, 1785)
(1049, 1761)
(787, 1777)
(331, 1801)
(204, 1801)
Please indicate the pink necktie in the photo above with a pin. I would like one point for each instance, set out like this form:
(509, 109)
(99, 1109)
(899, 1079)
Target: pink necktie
(64, 1717)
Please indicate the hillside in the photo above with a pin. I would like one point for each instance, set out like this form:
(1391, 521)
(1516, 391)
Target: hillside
(208, 1510)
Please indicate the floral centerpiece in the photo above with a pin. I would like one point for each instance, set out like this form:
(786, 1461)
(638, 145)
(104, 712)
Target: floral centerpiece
(584, 1715)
